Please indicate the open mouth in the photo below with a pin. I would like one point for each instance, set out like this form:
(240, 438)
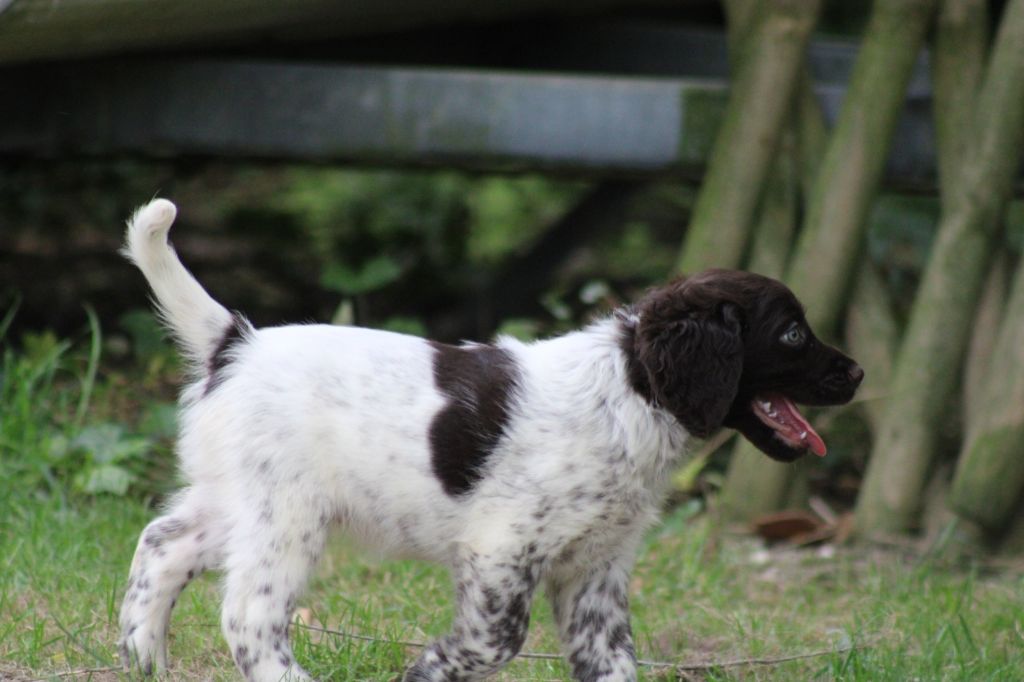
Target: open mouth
(781, 415)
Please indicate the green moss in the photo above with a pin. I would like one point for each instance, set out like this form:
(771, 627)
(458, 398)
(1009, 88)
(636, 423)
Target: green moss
(702, 112)
(989, 477)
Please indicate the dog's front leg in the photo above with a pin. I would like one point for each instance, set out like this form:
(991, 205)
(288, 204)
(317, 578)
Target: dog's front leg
(591, 609)
(493, 596)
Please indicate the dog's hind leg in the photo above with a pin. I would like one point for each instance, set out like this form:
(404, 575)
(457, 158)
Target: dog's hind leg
(172, 550)
(274, 545)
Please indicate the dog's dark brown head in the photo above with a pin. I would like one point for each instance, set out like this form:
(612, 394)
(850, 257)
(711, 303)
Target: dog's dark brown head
(730, 348)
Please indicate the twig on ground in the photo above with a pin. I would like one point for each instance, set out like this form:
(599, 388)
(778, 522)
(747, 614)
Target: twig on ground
(679, 667)
(738, 662)
(682, 667)
(80, 673)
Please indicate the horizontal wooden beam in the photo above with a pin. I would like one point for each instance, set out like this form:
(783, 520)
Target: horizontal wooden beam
(52, 29)
(387, 116)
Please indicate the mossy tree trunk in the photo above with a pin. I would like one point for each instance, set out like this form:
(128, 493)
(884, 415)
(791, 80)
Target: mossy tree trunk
(872, 337)
(961, 46)
(930, 356)
(853, 157)
(872, 333)
(984, 332)
(828, 250)
(958, 67)
(989, 477)
(753, 481)
(755, 484)
(771, 54)
(1013, 539)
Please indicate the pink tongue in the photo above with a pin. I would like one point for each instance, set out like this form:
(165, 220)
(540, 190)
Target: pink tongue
(797, 428)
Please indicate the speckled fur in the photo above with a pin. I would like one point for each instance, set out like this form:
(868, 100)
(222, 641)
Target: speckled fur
(288, 432)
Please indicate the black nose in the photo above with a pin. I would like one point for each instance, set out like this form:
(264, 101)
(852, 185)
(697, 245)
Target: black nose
(855, 373)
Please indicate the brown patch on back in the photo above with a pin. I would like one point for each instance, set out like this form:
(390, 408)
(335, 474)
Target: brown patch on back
(478, 382)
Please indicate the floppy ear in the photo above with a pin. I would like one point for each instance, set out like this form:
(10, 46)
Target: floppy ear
(693, 360)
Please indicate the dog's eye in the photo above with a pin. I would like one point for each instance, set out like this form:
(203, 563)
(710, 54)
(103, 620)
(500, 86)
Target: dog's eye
(793, 337)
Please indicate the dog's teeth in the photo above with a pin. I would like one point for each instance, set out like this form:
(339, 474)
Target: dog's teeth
(803, 434)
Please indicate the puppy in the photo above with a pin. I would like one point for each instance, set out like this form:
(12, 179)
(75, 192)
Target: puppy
(512, 464)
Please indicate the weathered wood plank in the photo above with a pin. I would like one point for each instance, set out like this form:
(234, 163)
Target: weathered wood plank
(329, 113)
(323, 113)
(51, 29)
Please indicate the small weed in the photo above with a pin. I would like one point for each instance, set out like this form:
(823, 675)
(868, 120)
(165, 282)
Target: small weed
(50, 439)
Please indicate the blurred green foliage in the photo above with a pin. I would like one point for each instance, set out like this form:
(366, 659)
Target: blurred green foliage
(392, 249)
(53, 439)
(397, 242)
(901, 232)
(370, 226)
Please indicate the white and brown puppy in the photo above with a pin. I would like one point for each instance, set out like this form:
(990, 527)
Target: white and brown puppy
(512, 464)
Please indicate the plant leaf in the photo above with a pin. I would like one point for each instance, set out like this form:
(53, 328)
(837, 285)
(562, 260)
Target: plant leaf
(107, 478)
(374, 274)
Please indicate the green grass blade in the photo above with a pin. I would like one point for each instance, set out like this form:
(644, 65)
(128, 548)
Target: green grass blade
(88, 381)
(5, 323)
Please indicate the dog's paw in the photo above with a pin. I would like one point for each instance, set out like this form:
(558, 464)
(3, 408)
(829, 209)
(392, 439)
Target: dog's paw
(141, 651)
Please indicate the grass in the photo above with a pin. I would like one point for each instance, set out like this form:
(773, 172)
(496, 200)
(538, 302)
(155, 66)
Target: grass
(696, 599)
(698, 596)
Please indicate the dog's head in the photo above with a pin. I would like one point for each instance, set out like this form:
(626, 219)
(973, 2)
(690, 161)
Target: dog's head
(730, 348)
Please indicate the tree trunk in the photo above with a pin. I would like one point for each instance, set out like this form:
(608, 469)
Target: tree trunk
(872, 333)
(872, 336)
(928, 364)
(755, 484)
(958, 62)
(777, 215)
(828, 250)
(759, 100)
(989, 477)
(958, 67)
(1013, 538)
(813, 134)
(984, 331)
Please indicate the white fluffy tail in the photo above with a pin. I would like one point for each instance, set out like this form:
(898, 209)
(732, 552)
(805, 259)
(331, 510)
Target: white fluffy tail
(197, 321)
